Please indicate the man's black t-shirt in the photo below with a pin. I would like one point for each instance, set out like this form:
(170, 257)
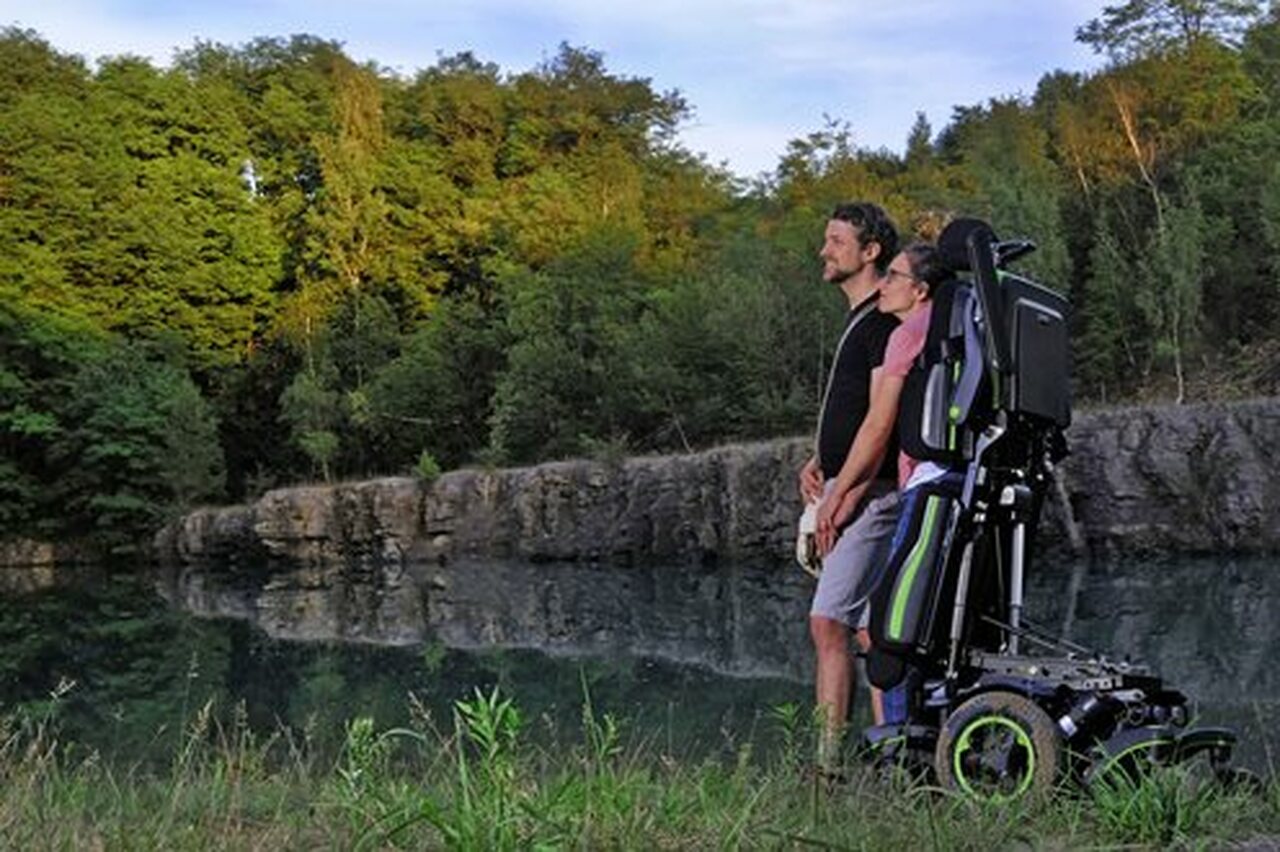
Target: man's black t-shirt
(848, 392)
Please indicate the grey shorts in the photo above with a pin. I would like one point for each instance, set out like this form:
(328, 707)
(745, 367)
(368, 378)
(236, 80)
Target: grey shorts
(862, 545)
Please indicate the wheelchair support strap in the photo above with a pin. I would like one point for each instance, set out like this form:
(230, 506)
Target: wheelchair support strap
(957, 614)
(1016, 569)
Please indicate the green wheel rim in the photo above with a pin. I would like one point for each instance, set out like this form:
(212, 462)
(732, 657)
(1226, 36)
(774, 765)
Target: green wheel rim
(1021, 739)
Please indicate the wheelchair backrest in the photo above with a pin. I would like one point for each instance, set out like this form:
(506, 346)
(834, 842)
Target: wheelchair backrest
(944, 395)
(997, 342)
(1040, 349)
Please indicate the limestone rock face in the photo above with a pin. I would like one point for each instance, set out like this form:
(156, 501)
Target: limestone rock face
(1169, 480)
(27, 553)
(1178, 479)
(20, 553)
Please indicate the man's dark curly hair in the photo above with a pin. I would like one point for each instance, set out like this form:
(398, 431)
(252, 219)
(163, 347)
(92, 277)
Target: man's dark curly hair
(873, 225)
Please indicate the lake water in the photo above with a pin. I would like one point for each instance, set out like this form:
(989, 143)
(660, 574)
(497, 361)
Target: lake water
(132, 672)
(692, 659)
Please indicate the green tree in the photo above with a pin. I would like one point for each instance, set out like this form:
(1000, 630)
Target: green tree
(29, 65)
(1237, 184)
(348, 224)
(1261, 56)
(125, 203)
(1016, 184)
(1107, 359)
(311, 406)
(438, 393)
(564, 379)
(140, 446)
(1269, 220)
(1174, 269)
(461, 106)
(732, 349)
(1140, 27)
(40, 355)
(283, 93)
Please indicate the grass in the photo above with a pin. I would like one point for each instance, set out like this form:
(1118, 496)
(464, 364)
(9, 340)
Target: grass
(475, 782)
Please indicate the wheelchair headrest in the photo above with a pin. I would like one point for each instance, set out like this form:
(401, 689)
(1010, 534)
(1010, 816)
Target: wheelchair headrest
(953, 242)
(953, 245)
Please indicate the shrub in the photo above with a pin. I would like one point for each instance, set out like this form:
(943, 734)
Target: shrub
(427, 469)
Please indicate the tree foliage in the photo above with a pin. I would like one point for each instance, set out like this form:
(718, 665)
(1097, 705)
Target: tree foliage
(269, 262)
(1138, 27)
(100, 438)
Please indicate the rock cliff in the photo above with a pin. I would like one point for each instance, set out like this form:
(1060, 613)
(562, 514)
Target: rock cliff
(1175, 479)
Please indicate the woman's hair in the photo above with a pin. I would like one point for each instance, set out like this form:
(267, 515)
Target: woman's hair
(926, 265)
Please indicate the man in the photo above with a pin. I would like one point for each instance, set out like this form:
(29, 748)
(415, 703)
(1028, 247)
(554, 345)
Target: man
(907, 293)
(859, 242)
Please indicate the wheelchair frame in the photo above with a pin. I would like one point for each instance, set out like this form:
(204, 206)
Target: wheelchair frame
(989, 718)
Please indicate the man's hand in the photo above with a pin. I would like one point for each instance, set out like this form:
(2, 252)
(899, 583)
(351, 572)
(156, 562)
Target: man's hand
(833, 515)
(826, 535)
(849, 507)
(811, 480)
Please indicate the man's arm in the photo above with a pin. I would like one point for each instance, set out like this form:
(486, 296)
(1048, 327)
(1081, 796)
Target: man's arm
(864, 459)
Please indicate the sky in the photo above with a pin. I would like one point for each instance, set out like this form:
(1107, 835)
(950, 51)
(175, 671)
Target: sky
(757, 73)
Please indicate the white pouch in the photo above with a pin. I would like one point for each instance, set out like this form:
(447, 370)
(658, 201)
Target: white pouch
(807, 541)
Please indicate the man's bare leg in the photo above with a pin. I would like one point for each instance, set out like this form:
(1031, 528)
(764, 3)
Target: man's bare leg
(834, 684)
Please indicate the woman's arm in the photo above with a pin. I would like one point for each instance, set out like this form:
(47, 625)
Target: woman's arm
(865, 456)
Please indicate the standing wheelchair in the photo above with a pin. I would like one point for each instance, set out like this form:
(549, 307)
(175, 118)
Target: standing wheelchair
(995, 707)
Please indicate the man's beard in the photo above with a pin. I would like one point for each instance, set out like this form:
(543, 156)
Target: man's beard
(842, 275)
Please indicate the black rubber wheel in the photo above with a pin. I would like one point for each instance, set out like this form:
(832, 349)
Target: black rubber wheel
(999, 746)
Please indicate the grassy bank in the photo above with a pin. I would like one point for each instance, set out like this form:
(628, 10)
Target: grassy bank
(475, 782)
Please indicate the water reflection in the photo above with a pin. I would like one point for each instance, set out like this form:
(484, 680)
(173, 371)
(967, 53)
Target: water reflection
(1206, 624)
(742, 619)
(133, 673)
(658, 642)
